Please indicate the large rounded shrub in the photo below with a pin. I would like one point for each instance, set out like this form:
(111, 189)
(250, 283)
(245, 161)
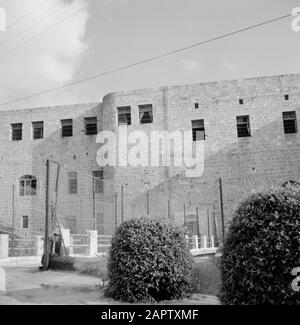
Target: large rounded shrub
(148, 261)
(261, 249)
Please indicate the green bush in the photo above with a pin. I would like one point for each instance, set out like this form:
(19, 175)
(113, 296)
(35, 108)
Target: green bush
(261, 249)
(148, 261)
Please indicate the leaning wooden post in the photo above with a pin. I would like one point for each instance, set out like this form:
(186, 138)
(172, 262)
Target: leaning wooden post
(222, 209)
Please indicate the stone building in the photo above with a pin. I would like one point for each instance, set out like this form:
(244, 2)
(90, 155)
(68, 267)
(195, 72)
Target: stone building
(248, 127)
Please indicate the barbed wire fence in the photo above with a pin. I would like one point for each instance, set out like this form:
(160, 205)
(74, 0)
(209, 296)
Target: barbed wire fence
(201, 207)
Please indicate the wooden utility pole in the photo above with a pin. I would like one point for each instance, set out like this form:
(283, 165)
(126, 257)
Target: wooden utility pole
(208, 225)
(46, 238)
(222, 209)
(184, 216)
(53, 223)
(216, 225)
(94, 206)
(13, 210)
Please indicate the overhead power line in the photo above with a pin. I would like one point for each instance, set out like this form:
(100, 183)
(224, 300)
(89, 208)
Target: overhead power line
(42, 18)
(48, 28)
(154, 58)
(27, 14)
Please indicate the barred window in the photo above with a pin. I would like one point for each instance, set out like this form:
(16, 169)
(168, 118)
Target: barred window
(243, 126)
(146, 114)
(16, 131)
(25, 222)
(124, 115)
(72, 183)
(71, 223)
(90, 125)
(98, 181)
(38, 130)
(289, 122)
(198, 130)
(27, 185)
(66, 128)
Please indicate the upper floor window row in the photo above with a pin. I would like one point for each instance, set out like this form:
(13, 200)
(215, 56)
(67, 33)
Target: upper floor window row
(145, 114)
(37, 128)
(243, 126)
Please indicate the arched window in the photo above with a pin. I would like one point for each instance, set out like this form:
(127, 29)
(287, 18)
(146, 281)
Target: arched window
(27, 185)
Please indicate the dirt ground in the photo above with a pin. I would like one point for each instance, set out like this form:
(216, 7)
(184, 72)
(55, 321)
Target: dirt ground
(27, 285)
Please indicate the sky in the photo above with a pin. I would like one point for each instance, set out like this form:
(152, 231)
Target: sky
(48, 43)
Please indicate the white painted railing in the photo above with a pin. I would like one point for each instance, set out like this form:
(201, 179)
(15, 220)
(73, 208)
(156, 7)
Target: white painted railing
(200, 243)
(90, 244)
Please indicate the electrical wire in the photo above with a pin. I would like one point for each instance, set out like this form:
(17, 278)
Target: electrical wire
(48, 28)
(154, 58)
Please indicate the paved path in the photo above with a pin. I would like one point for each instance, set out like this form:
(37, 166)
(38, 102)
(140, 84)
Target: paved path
(27, 285)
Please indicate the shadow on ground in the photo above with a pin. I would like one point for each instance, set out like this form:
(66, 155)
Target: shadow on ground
(26, 285)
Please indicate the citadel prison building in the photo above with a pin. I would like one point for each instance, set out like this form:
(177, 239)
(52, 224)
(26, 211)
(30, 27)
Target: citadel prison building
(251, 141)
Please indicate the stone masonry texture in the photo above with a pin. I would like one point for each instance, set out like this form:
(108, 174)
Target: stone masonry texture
(267, 158)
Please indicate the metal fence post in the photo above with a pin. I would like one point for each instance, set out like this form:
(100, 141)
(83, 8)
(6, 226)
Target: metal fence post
(116, 211)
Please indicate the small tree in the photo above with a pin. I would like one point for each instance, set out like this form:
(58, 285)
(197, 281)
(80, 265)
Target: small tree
(148, 261)
(261, 249)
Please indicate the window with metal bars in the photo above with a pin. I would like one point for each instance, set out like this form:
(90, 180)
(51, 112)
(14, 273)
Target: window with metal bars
(98, 181)
(192, 228)
(16, 131)
(198, 130)
(289, 122)
(243, 126)
(25, 222)
(27, 185)
(124, 115)
(66, 128)
(146, 114)
(72, 183)
(37, 130)
(71, 223)
(90, 125)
